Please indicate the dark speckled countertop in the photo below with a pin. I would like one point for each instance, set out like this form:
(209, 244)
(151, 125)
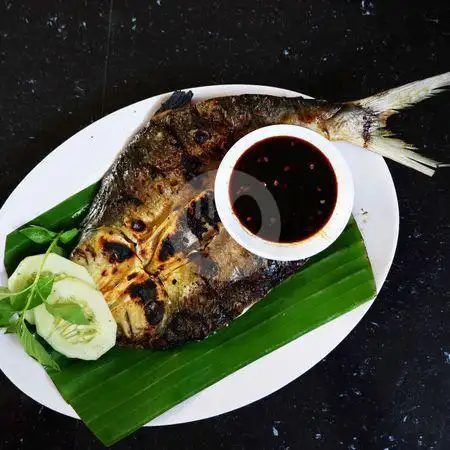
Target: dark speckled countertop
(65, 64)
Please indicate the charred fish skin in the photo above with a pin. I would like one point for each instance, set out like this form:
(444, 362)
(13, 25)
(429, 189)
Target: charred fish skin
(152, 239)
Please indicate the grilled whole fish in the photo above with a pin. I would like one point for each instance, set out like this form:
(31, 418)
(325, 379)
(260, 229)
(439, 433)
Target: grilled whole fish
(152, 239)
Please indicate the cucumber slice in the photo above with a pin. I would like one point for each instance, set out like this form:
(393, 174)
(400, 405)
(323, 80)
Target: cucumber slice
(87, 342)
(26, 270)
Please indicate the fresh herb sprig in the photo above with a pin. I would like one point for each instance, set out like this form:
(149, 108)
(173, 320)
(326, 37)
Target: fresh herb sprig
(14, 305)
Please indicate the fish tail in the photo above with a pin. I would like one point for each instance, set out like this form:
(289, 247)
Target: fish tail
(402, 152)
(367, 122)
(393, 100)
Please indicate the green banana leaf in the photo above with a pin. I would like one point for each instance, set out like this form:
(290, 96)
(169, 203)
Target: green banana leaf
(66, 215)
(126, 388)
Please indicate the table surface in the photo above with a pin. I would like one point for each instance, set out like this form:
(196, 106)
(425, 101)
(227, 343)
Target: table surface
(66, 64)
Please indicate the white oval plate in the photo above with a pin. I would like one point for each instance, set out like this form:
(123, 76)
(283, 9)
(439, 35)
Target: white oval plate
(83, 159)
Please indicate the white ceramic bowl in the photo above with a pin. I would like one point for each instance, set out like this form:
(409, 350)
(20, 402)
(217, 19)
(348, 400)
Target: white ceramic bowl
(275, 250)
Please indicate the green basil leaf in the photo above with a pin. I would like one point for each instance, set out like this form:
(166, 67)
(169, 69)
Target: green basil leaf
(59, 250)
(5, 306)
(71, 312)
(40, 235)
(38, 294)
(19, 301)
(6, 313)
(4, 293)
(36, 349)
(69, 235)
(42, 290)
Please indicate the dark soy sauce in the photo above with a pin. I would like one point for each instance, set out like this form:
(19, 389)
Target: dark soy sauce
(283, 189)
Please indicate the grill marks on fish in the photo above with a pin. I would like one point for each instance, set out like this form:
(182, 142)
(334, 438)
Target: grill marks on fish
(174, 244)
(366, 130)
(146, 294)
(146, 291)
(118, 252)
(167, 249)
(202, 214)
(188, 228)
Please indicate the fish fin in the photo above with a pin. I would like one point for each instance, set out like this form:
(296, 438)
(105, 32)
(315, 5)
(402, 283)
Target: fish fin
(393, 100)
(401, 152)
(363, 122)
(178, 99)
